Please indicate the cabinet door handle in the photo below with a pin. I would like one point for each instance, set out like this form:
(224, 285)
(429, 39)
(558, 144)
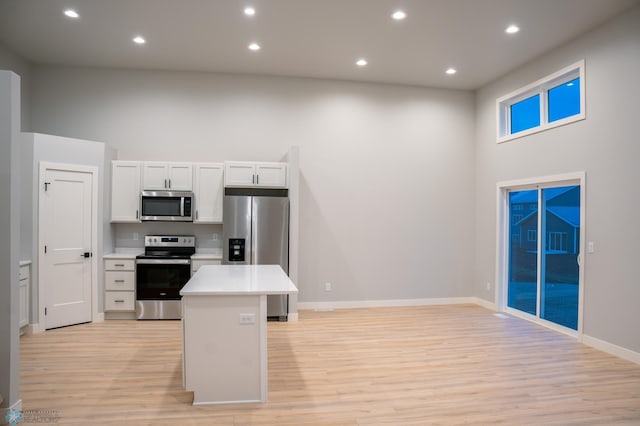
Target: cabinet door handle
(137, 214)
(257, 179)
(169, 183)
(196, 214)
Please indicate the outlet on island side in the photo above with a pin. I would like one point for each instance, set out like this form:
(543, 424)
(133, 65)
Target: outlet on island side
(327, 286)
(488, 286)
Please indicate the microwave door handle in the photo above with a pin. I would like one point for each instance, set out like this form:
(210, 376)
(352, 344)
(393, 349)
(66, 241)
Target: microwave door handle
(182, 206)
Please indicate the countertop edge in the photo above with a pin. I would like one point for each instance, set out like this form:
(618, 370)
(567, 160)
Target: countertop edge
(122, 255)
(237, 293)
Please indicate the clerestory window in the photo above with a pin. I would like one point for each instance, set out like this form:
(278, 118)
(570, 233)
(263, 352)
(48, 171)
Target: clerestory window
(553, 101)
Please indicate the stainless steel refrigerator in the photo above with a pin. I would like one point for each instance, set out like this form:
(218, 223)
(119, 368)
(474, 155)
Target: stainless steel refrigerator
(255, 231)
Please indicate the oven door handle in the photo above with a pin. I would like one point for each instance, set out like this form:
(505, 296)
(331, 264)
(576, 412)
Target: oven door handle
(163, 261)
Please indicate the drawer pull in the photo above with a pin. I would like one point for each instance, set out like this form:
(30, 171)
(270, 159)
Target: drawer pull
(121, 265)
(119, 301)
(119, 281)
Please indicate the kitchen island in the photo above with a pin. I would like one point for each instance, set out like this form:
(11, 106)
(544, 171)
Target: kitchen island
(224, 329)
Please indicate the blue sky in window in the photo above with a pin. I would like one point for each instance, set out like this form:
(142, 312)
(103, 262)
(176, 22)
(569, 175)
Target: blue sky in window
(564, 100)
(525, 114)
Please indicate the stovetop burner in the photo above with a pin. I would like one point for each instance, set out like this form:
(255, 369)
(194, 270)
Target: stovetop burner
(168, 247)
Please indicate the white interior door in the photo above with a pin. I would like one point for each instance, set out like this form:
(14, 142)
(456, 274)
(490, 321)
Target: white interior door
(66, 274)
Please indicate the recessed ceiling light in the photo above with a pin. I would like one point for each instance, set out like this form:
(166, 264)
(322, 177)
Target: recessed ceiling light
(399, 15)
(512, 29)
(139, 40)
(70, 13)
(254, 46)
(451, 71)
(361, 62)
(249, 11)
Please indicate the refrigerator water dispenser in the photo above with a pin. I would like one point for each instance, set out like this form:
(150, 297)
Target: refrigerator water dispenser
(236, 249)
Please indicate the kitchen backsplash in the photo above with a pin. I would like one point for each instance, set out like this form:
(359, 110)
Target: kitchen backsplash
(131, 235)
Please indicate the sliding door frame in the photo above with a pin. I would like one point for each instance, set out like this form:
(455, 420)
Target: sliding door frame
(502, 244)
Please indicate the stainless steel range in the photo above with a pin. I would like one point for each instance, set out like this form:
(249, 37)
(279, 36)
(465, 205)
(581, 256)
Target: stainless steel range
(161, 272)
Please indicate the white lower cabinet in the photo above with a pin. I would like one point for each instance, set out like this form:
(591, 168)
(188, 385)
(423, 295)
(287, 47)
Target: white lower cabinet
(119, 285)
(25, 280)
(119, 301)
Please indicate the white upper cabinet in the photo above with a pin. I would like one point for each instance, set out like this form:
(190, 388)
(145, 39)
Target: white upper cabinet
(208, 192)
(125, 191)
(251, 174)
(167, 176)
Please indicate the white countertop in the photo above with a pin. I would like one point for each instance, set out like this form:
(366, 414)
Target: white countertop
(124, 253)
(211, 280)
(131, 253)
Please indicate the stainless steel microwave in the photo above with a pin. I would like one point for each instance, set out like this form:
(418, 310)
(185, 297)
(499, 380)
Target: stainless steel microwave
(167, 206)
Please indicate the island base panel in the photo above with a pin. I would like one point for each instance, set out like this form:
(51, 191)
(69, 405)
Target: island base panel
(225, 353)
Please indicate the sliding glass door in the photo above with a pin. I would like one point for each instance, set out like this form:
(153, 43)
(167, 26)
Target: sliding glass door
(543, 249)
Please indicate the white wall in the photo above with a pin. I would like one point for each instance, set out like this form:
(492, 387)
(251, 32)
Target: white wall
(56, 149)
(605, 145)
(10, 61)
(387, 173)
(9, 239)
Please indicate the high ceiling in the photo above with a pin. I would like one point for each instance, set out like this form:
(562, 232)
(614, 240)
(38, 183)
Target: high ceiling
(304, 38)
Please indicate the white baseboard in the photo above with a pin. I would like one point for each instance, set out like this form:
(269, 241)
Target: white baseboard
(99, 317)
(350, 304)
(35, 329)
(485, 303)
(292, 316)
(117, 315)
(612, 349)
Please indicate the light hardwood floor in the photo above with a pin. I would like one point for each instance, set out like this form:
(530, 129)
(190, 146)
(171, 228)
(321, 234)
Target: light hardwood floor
(434, 365)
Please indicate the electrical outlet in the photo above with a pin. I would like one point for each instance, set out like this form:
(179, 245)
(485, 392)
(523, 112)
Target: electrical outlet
(488, 286)
(327, 286)
(247, 318)
(136, 236)
(214, 237)
(591, 247)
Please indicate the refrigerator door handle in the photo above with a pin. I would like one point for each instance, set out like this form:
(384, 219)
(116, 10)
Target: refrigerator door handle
(254, 227)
